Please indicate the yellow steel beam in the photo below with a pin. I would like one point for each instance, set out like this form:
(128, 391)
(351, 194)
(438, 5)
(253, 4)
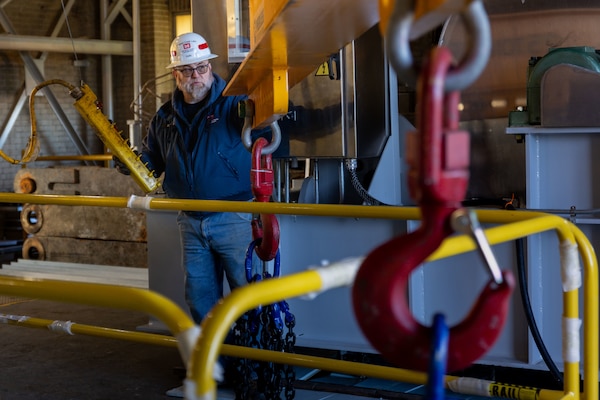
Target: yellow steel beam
(289, 40)
(430, 14)
(427, 14)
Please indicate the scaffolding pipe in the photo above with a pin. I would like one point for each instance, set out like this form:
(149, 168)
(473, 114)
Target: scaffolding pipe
(332, 210)
(327, 364)
(73, 328)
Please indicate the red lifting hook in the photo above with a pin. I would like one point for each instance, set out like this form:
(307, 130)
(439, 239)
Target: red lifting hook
(438, 156)
(266, 227)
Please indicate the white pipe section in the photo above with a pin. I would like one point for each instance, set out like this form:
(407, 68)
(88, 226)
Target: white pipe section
(65, 45)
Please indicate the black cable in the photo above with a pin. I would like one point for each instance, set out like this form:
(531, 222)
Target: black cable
(519, 244)
(351, 165)
(525, 300)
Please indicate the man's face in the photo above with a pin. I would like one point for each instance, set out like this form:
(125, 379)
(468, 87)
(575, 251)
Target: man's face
(194, 80)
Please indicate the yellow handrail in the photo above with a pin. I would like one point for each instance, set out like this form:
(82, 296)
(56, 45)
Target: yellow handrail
(199, 383)
(127, 298)
(77, 157)
(516, 224)
(73, 328)
(157, 203)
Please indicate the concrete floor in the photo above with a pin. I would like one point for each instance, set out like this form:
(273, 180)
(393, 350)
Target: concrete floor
(38, 364)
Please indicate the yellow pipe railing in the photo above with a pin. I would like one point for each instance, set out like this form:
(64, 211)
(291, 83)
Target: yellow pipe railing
(121, 297)
(155, 203)
(521, 224)
(200, 385)
(84, 157)
(73, 328)
(566, 232)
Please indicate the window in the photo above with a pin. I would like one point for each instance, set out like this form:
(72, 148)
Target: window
(183, 24)
(238, 31)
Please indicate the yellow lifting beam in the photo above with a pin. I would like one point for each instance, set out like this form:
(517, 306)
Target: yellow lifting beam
(428, 14)
(288, 41)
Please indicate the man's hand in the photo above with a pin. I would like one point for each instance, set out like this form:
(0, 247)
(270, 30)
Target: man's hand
(120, 166)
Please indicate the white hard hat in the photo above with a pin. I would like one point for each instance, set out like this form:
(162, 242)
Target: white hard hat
(189, 48)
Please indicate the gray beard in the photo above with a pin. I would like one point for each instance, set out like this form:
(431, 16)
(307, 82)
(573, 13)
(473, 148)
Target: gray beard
(197, 92)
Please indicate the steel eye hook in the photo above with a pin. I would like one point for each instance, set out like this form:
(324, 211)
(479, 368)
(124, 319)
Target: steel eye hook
(438, 158)
(397, 41)
(246, 111)
(381, 306)
(398, 37)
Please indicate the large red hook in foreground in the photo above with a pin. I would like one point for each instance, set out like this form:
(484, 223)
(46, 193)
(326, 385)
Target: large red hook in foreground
(266, 226)
(438, 157)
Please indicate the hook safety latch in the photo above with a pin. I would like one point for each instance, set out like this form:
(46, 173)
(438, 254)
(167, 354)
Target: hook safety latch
(438, 157)
(265, 228)
(465, 221)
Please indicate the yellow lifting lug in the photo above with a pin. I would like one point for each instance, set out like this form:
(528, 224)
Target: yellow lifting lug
(427, 14)
(86, 104)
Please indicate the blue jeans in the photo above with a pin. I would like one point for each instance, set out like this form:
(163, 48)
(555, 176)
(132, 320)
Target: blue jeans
(213, 246)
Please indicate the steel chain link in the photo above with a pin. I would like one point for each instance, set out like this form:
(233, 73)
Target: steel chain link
(263, 329)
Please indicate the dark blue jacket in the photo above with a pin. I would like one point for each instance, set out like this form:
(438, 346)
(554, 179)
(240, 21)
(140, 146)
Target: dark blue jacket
(217, 165)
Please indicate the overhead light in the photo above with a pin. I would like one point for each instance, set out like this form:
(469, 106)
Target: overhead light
(499, 103)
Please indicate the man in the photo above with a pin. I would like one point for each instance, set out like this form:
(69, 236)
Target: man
(195, 140)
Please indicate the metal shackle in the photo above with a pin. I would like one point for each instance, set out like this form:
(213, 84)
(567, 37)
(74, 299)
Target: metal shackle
(398, 36)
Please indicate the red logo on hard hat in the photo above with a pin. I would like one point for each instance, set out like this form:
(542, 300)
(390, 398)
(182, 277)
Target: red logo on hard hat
(203, 46)
(186, 45)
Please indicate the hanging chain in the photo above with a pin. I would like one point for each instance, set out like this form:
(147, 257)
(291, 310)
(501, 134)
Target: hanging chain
(263, 328)
(290, 342)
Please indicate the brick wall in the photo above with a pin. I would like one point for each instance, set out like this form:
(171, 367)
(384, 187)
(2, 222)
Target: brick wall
(156, 35)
